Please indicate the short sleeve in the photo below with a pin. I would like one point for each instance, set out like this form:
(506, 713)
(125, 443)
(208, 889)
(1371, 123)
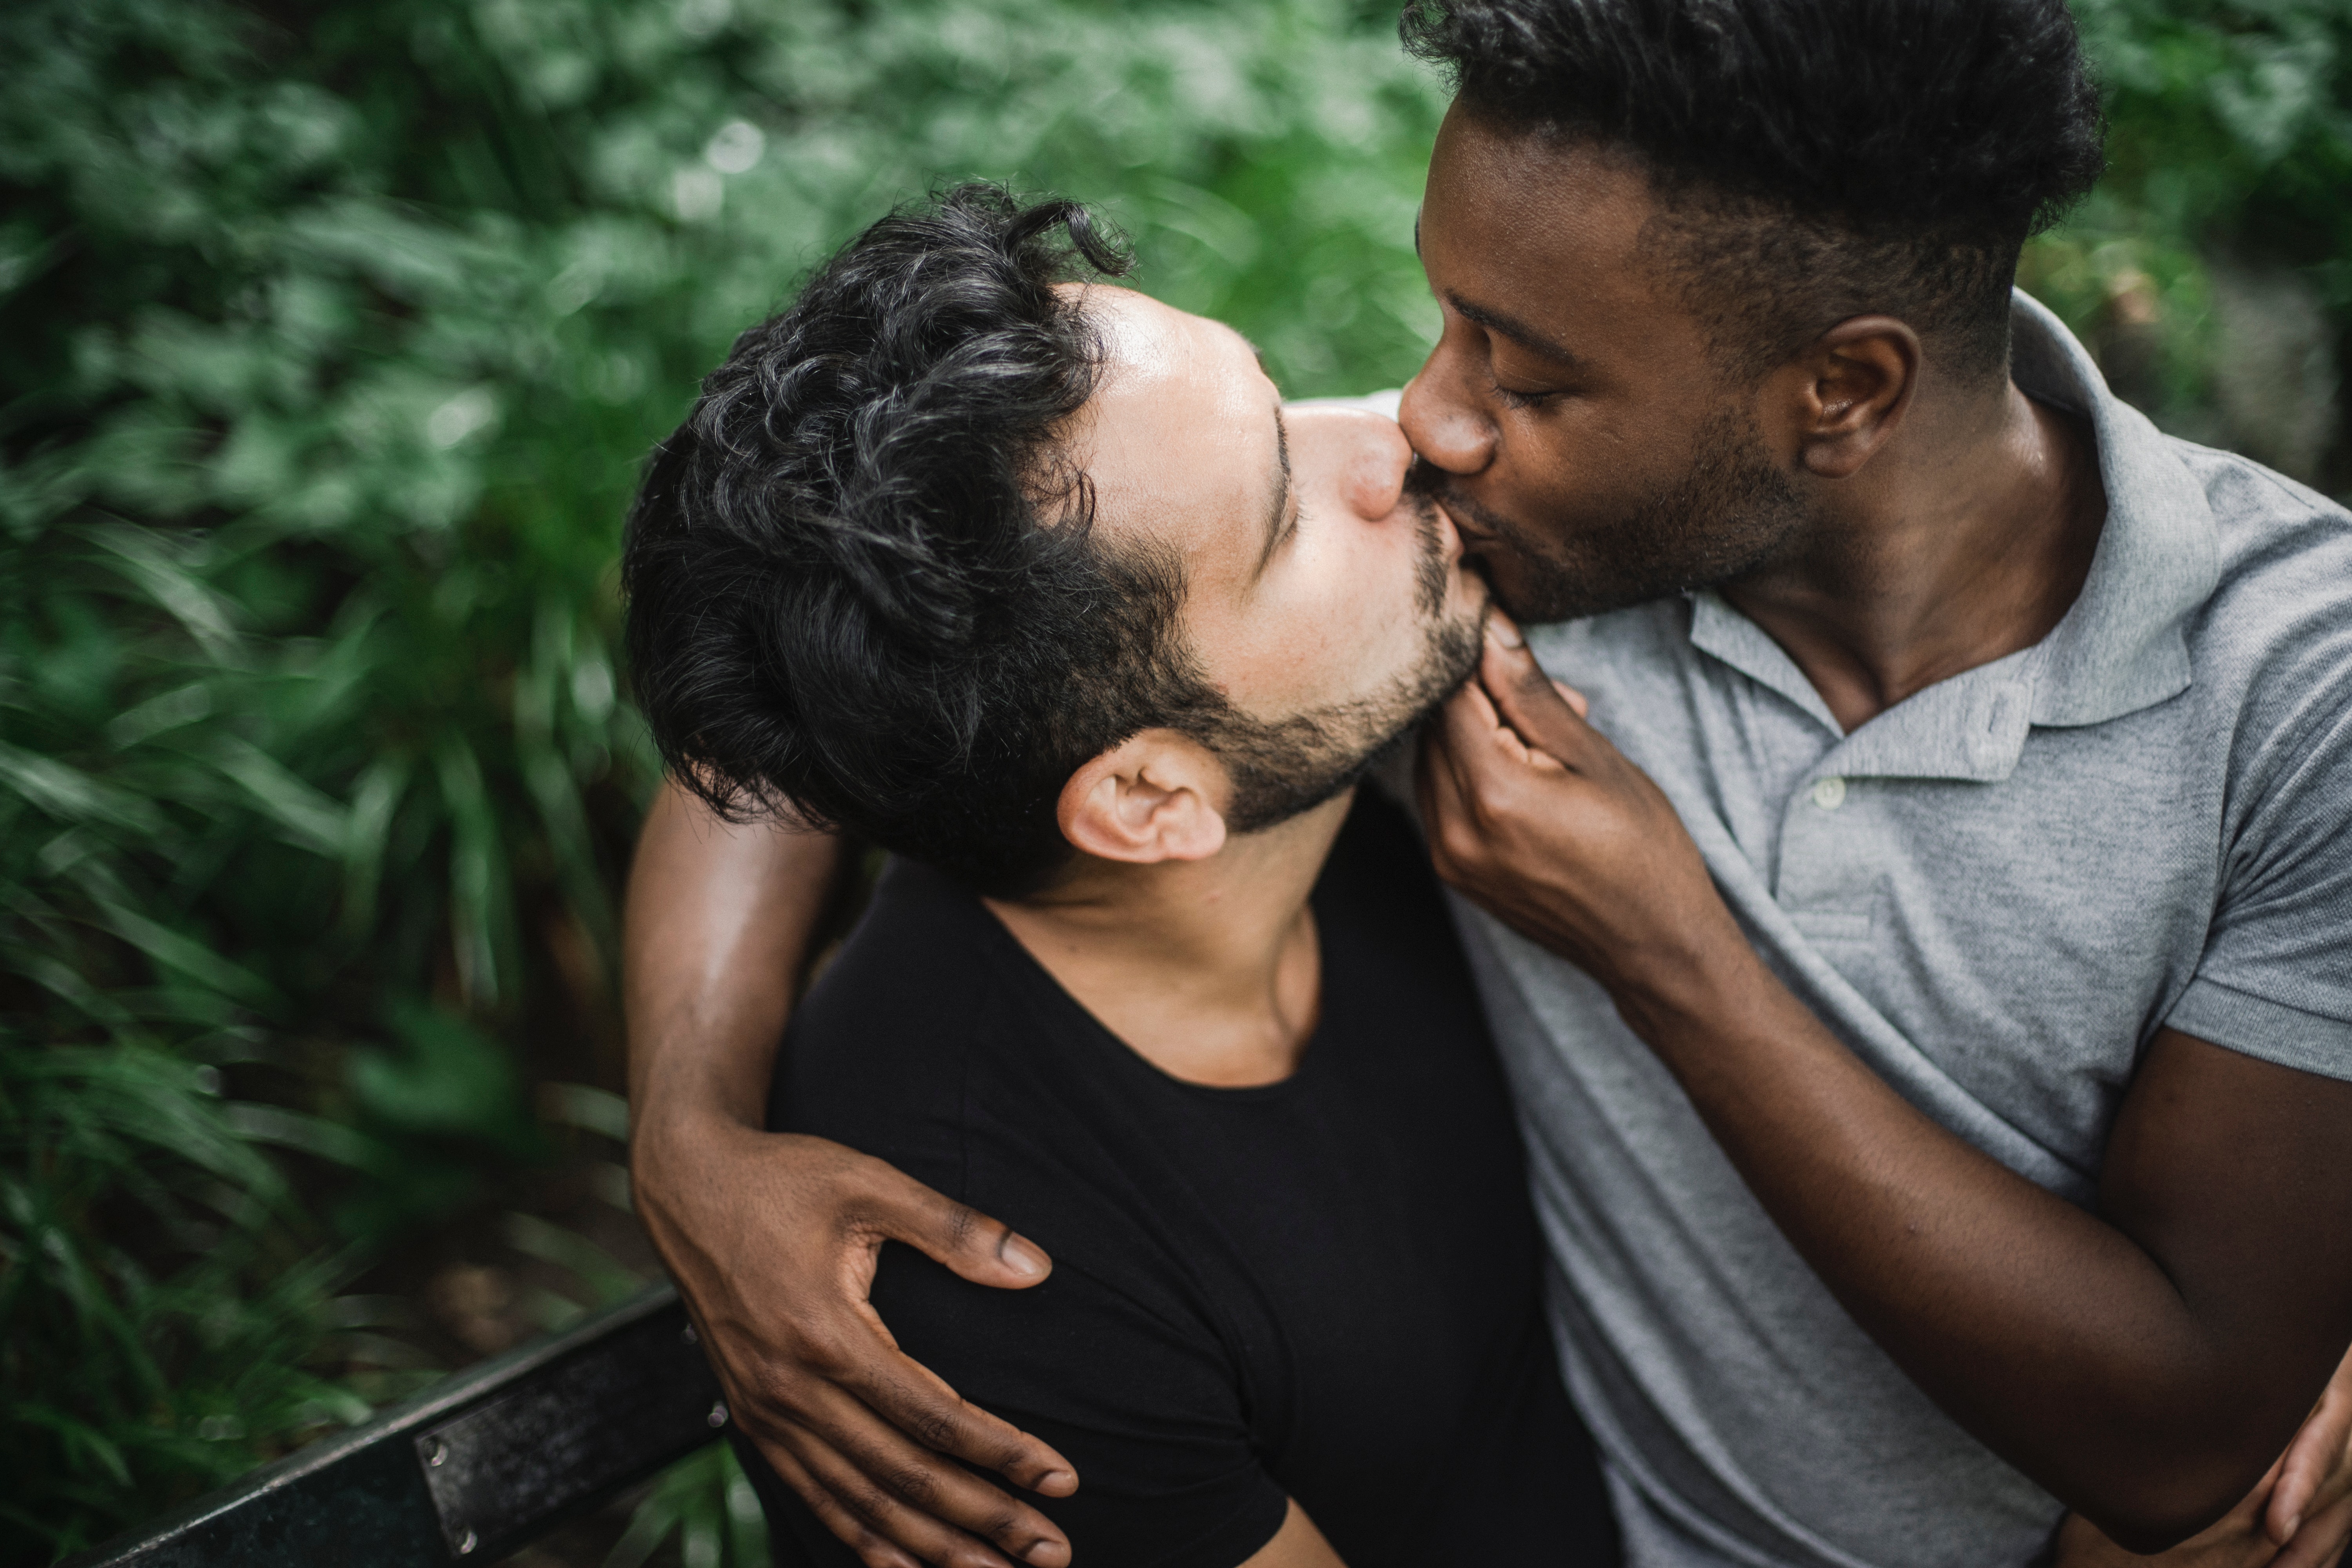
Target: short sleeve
(2275, 981)
(1142, 1401)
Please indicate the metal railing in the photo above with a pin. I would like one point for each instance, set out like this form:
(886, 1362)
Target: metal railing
(470, 1470)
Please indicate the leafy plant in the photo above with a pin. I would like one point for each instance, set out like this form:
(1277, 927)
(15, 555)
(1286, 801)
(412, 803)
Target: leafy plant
(329, 341)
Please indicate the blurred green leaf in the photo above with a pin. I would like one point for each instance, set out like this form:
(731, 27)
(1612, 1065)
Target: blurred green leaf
(329, 349)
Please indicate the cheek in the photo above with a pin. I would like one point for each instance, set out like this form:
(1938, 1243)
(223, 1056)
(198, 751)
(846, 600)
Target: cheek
(1566, 472)
(1333, 626)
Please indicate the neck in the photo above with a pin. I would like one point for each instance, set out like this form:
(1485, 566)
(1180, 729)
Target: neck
(1208, 969)
(1966, 539)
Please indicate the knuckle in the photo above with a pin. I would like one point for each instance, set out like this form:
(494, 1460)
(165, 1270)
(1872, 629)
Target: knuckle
(867, 1502)
(773, 1383)
(933, 1428)
(825, 1355)
(1008, 1527)
(914, 1484)
(965, 1227)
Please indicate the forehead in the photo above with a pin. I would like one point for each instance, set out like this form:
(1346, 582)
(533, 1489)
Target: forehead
(1178, 438)
(1542, 229)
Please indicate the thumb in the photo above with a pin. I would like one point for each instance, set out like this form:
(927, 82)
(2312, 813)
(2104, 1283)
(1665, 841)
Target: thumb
(1544, 713)
(2314, 1468)
(956, 1236)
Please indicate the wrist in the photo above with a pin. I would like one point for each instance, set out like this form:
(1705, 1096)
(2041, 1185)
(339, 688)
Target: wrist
(1692, 988)
(677, 1121)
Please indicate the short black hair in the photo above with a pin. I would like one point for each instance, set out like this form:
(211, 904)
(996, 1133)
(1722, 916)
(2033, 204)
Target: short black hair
(863, 581)
(1814, 159)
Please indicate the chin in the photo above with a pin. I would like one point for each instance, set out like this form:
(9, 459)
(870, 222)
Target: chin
(1532, 592)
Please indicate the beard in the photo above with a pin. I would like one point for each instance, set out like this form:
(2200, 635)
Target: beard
(1284, 766)
(1731, 512)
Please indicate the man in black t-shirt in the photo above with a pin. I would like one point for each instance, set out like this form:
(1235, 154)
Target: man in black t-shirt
(1038, 585)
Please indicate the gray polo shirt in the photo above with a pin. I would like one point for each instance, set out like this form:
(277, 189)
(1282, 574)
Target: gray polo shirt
(1995, 893)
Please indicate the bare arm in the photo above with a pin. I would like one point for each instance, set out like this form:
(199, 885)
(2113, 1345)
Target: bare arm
(2297, 1515)
(2145, 1362)
(772, 1238)
(1297, 1544)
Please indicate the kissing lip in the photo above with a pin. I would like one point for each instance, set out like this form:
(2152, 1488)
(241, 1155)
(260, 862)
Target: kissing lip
(1472, 536)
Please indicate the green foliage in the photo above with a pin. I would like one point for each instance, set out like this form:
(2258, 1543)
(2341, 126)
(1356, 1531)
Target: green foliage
(2231, 148)
(328, 350)
(326, 360)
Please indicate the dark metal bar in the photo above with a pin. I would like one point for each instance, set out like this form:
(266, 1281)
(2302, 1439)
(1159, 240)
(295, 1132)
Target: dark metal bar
(471, 1470)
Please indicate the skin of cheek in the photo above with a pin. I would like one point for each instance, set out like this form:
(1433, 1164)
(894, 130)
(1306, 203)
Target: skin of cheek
(1334, 618)
(1557, 236)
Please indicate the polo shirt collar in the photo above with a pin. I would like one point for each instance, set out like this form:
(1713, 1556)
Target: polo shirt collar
(2120, 647)
(2123, 644)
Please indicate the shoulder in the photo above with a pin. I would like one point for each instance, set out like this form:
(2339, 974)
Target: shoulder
(879, 1053)
(2272, 644)
(2284, 549)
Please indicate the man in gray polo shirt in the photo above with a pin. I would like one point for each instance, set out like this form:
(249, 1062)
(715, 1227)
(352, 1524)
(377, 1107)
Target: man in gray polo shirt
(1930, 1003)
(1989, 895)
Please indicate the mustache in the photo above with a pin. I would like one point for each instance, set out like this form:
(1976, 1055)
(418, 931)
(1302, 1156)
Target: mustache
(1430, 484)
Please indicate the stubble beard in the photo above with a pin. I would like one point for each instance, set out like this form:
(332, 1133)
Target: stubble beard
(1733, 512)
(1282, 767)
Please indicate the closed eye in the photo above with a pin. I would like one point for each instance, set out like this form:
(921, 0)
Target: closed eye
(1511, 399)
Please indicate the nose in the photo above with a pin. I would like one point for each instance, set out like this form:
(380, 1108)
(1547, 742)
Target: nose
(1365, 450)
(1375, 481)
(1439, 419)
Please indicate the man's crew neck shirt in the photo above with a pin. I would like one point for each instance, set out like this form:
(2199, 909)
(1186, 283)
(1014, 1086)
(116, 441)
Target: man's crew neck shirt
(1326, 1289)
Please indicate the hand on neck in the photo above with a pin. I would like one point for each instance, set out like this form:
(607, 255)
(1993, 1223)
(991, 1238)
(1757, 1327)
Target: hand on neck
(1208, 968)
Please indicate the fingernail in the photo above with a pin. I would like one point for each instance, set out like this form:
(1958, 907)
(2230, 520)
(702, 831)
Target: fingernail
(2293, 1523)
(1505, 634)
(1022, 1258)
(1055, 1478)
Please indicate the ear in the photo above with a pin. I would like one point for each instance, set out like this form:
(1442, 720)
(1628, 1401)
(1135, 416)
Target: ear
(1851, 390)
(1157, 796)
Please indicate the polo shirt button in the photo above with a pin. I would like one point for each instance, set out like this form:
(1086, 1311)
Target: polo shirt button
(1828, 793)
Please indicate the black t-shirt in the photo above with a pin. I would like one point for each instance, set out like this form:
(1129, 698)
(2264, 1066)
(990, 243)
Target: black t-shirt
(1325, 1287)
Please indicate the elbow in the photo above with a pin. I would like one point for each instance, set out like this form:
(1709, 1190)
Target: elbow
(2155, 1512)
(2151, 1534)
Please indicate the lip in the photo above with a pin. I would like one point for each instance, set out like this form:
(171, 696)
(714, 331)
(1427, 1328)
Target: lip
(1471, 534)
(1466, 538)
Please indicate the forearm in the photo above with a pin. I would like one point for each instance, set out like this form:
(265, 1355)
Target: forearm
(719, 921)
(2145, 1362)
(2053, 1335)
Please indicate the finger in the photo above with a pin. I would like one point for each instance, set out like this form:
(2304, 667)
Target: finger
(1529, 702)
(983, 1250)
(1437, 781)
(907, 1492)
(851, 1531)
(848, 1376)
(1445, 820)
(918, 1402)
(1468, 717)
(858, 1501)
(2317, 1466)
(2320, 1543)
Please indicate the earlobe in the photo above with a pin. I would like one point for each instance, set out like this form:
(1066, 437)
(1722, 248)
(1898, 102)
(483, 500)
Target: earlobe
(1155, 797)
(1857, 386)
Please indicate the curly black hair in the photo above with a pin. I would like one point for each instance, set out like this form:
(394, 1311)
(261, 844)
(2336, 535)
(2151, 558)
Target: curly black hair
(862, 582)
(1814, 159)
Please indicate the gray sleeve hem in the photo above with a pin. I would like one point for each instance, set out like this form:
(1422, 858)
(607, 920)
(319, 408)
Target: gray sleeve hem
(2267, 1030)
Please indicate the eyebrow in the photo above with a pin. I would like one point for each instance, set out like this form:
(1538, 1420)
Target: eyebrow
(1518, 332)
(1281, 508)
